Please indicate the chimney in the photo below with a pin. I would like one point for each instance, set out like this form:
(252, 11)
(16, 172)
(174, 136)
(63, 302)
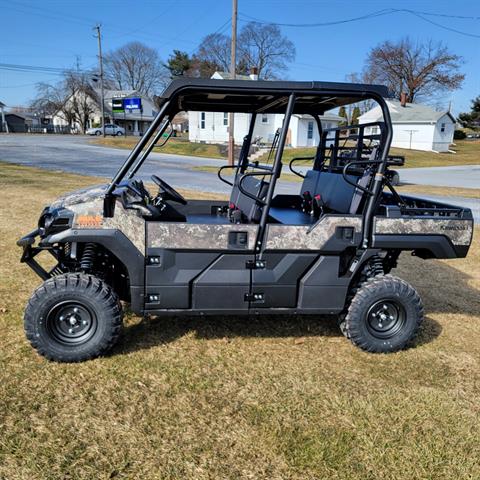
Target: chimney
(253, 73)
(403, 99)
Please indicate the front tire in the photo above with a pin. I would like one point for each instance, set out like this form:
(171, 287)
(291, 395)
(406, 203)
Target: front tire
(384, 315)
(119, 134)
(73, 317)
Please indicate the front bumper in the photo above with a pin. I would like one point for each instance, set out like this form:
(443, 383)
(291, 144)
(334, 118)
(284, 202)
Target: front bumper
(29, 253)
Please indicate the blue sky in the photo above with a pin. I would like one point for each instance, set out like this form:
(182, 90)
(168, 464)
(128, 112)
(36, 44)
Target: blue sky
(52, 33)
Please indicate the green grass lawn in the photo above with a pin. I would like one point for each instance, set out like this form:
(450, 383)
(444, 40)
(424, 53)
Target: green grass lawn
(467, 153)
(174, 146)
(234, 398)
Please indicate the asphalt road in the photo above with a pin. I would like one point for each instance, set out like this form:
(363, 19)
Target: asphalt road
(78, 154)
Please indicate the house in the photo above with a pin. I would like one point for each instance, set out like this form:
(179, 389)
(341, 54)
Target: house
(415, 126)
(127, 108)
(13, 123)
(212, 127)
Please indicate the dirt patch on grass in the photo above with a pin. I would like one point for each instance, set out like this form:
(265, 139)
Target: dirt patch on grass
(269, 398)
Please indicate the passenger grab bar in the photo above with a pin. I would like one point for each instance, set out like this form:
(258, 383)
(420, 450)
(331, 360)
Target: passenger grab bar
(248, 194)
(296, 159)
(358, 162)
(219, 174)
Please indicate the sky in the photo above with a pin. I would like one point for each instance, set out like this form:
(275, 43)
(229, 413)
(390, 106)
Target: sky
(55, 33)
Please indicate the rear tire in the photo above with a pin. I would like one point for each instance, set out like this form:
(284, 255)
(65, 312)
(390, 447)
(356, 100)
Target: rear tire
(98, 133)
(384, 315)
(73, 317)
(119, 134)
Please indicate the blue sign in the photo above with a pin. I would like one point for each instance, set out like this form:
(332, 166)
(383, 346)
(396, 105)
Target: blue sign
(132, 103)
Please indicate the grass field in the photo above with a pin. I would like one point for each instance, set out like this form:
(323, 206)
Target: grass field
(230, 398)
(174, 146)
(467, 152)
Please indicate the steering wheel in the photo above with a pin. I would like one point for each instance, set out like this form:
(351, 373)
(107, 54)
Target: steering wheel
(170, 191)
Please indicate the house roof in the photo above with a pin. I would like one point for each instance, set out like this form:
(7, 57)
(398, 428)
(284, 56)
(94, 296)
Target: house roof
(2, 105)
(410, 113)
(228, 76)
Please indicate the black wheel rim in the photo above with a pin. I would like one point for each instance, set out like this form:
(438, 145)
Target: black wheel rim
(71, 323)
(386, 318)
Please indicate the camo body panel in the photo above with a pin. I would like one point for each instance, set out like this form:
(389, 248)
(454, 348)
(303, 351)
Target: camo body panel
(304, 237)
(80, 196)
(129, 222)
(196, 236)
(459, 231)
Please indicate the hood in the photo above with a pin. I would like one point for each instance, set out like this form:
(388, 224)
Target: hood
(80, 196)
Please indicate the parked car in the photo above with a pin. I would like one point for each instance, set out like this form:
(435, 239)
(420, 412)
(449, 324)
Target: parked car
(110, 129)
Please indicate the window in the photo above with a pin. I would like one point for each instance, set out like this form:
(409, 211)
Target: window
(375, 130)
(310, 130)
(225, 119)
(264, 118)
(202, 120)
(442, 127)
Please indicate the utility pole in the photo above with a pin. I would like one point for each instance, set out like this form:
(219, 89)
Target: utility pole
(100, 63)
(233, 63)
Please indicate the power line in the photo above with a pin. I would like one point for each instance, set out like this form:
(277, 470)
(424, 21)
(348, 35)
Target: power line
(386, 11)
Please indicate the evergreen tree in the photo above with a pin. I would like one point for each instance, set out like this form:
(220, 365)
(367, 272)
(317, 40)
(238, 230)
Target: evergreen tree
(343, 113)
(472, 119)
(355, 114)
(179, 64)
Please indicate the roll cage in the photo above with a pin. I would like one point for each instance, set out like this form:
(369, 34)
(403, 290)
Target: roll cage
(288, 98)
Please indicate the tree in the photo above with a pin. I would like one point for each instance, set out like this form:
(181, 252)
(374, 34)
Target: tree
(213, 54)
(420, 70)
(180, 64)
(260, 46)
(343, 113)
(136, 67)
(264, 47)
(355, 114)
(472, 119)
(74, 98)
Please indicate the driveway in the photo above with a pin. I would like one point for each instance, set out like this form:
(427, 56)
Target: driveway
(466, 176)
(77, 154)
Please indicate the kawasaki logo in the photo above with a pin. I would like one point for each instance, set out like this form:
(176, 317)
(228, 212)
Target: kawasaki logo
(453, 227)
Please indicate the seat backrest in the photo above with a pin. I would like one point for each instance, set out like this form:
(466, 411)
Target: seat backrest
(251, 209)
(336, 194)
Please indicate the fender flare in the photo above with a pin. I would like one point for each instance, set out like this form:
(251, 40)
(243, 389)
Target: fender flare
(115, 242)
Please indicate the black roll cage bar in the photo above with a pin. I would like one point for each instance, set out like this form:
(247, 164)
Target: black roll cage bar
(135, 159)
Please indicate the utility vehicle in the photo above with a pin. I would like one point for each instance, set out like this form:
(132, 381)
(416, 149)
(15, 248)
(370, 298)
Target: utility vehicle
(326, 249)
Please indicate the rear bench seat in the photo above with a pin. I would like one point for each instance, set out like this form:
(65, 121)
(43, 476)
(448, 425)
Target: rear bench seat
(336, 194)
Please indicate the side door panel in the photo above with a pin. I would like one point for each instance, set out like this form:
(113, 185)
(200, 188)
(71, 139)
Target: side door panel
(278, 281)
(198, 266)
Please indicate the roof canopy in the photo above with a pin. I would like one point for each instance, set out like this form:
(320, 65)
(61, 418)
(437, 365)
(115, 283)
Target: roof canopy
(265, 96)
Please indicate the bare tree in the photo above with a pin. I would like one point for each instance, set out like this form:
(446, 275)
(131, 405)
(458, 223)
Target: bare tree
(419, 70)
(213, 54)
(73, 99)
(264, 47)
(260, 46)
(137, 67)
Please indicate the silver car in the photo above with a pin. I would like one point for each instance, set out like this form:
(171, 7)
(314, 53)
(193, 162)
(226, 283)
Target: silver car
(110, 129)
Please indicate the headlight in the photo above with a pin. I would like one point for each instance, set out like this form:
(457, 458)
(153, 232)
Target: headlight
(56, 220)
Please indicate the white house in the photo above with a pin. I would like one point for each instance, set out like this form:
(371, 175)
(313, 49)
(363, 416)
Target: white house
(415, 126)
(212, 127)
(127, 108)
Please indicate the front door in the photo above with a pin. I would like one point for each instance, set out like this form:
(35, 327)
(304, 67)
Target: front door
(198, 266)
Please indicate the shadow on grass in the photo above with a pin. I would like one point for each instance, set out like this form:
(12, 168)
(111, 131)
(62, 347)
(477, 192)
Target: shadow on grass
(444, 290)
